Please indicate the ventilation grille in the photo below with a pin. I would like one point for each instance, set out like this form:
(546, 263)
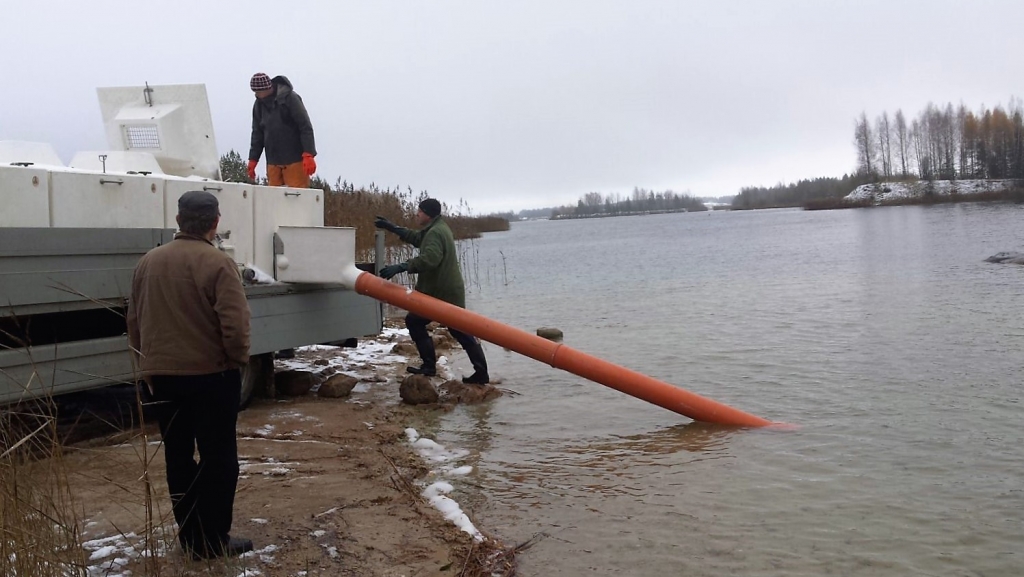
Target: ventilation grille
(142, 136)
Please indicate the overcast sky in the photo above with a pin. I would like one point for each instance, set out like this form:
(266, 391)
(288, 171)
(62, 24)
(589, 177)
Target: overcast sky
(519, 104)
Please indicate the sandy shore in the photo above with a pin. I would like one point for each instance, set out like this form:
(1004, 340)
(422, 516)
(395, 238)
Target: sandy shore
(328, 487)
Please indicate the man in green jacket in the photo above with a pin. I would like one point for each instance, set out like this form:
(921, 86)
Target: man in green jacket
(437, 265)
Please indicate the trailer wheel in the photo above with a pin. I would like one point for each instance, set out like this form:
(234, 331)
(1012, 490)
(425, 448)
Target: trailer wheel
(257, 378)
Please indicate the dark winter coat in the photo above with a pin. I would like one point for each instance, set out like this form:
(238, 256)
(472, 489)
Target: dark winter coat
(280, 124)
(437, 264)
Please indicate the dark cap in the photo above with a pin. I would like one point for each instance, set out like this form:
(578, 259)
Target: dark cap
(198, 204)
(430, 207)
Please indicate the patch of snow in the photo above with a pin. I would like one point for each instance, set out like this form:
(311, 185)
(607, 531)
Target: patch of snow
(264, 431)
(96, 543)
(123, 547)
(103, 552)
(431, 450)
(259, 521)
(897, 192)
(284, 440)
(310, 348)
(296, 364)
(437, 493)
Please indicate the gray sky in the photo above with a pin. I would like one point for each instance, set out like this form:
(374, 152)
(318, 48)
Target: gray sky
(526, 104)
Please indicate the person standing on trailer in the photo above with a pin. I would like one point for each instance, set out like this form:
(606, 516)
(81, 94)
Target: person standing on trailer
(188, 327)
(281, 127)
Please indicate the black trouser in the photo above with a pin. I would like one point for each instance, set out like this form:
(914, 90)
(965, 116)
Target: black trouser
(200, 411)
(417, 326)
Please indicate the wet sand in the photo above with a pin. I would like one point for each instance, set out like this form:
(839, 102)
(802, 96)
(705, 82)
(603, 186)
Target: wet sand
(327, 487)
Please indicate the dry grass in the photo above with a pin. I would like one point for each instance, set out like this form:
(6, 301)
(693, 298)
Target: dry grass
(41, 522)
(357, 208)
(348, 206)
(39, 529)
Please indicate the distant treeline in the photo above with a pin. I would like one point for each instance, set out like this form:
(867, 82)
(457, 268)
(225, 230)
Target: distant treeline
(943, 143)
(346, 205)
(800, 193)
(639, 202)
(939, 144)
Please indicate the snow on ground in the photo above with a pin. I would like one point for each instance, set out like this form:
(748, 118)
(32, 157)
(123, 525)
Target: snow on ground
(374, 351)
(895, 192)
(110, 555)
(437, 493)
(377, 352)
(371, 354)
(360, 361)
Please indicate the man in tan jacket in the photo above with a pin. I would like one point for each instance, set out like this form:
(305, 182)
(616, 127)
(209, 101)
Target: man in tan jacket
(188, 324)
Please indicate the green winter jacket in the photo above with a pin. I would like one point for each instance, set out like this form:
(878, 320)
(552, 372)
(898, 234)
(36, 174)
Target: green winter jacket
(437, 264)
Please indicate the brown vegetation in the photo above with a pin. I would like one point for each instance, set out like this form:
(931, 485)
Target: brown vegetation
(346, 205)
(39, 529)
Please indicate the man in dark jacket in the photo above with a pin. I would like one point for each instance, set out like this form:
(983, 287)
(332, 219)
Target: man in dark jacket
(437, 265)
(188, 326)
(281, 125)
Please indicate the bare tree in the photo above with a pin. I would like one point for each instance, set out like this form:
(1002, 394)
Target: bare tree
(864, 140)
(919, 136)
(902, 141)
(882, 131)
(950, 142)
(1017, 154)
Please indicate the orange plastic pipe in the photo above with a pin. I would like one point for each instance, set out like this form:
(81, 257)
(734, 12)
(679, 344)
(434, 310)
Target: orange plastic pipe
(557, 355)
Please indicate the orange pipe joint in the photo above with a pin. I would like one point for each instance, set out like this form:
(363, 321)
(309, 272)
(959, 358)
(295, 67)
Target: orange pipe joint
(557, 355)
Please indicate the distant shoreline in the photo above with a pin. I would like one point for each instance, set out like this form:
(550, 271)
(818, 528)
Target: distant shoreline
(924, 192)
(613, 214)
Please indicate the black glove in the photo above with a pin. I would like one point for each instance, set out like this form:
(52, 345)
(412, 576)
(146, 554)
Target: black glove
(393, 269)
(386, 224)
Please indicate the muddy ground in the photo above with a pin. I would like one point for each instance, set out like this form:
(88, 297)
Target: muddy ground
(327, 487)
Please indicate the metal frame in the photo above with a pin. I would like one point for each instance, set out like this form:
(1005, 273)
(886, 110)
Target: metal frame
(63, 270)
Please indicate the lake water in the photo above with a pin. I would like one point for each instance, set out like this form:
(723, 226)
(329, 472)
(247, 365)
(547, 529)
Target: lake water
(881, 332)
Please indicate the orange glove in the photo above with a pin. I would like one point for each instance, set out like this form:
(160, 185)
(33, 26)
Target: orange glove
(308, 164)
(252, 169)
